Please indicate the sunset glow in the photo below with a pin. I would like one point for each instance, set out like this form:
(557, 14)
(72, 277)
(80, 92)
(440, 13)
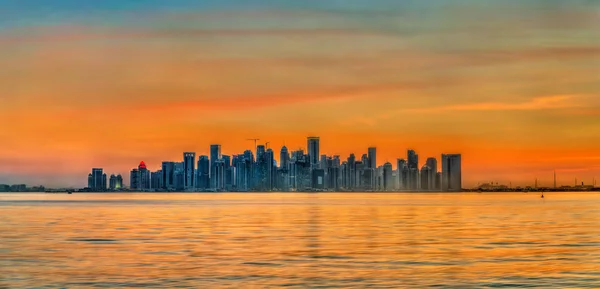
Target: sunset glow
(514, 86)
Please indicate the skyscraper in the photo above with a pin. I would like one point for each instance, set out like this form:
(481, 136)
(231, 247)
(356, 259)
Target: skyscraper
(351, 172)
(168, 178)
(215, 155)
(413, 170)
(116, 182)
(270, 169)
(433, 167)
(219, 174)
(140, 178)
(372, 158)
(203, 173)
(451, 172)
(413, 160)
(388, 181)
(189, 159)
(313, 151)
(284, 158)
(228, 172)
(97, 179)
(134, 179)
(260, 174)
(179, 176)
(426, 178)
(402, 174)
(156, 180)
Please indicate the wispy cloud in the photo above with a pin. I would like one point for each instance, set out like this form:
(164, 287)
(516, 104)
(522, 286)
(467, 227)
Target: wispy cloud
(538, 103)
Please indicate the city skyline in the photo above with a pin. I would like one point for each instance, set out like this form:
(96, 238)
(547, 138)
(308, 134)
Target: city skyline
(547, 178)
(302, 169)
(513, 85)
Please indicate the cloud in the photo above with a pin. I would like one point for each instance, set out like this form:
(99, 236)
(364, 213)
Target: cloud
(538, 103)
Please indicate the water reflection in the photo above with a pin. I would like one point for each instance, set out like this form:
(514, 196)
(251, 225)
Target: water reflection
(299, 240)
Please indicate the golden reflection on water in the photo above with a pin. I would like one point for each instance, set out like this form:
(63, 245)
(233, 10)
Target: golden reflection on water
(299, 240)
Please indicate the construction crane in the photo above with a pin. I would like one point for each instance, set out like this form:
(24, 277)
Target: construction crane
(255, 140)
(267, 145)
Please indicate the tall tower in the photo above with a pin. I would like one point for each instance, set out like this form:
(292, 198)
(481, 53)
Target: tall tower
(413, 170)
(189, 160)
(388, 184)
(555, 179)
(372, 158)
(402, 174)
(432, 164)
(313, 151)
(98, 182)
(451, 172)
(168, 177)
(215, 155)
(284, 158)
(203, 172)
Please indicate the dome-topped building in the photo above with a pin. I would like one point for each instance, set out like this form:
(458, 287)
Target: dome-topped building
(140, 178)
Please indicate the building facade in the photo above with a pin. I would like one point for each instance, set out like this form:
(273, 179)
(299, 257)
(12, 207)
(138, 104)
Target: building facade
(451, 172)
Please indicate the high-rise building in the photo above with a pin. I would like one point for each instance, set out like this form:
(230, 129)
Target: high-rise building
(99, 185)
(333, 177)
(336, 163)
(168, 177)
(313, 148)
(244, 165)
(90, 181)
(284, 158)
(219, 175)
(227, 160)
(203, 173)
(156, 180)
(451, 172)
(215, 155)
(351, 172)
(402, 173)
(189, 161)
(372, 158)
(323, 163)
(365, 160)
(270, 170)
(260, 169)
(433, 167)
(140, 178)
(426, 178)
(228, 172)
(388, 180)
(112, 182)
(134, 179)
(413, 170)
(116, 182)
(413, 160)
(179, 176)
(97, 180)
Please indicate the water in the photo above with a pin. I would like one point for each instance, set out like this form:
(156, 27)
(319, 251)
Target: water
(358, 240)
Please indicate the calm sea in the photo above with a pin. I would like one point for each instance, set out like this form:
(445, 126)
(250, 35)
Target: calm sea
(358, 240)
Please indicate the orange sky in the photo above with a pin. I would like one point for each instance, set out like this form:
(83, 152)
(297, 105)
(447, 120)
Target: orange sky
(517, 98)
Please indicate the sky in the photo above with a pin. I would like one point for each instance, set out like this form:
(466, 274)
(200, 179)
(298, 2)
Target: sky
(514, 86)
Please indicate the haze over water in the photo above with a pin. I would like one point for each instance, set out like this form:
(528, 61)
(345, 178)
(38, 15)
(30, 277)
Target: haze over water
(299, 240)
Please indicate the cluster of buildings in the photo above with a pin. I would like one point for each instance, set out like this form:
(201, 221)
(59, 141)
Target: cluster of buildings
(19, 188)
(97, 181)
(297, 170)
